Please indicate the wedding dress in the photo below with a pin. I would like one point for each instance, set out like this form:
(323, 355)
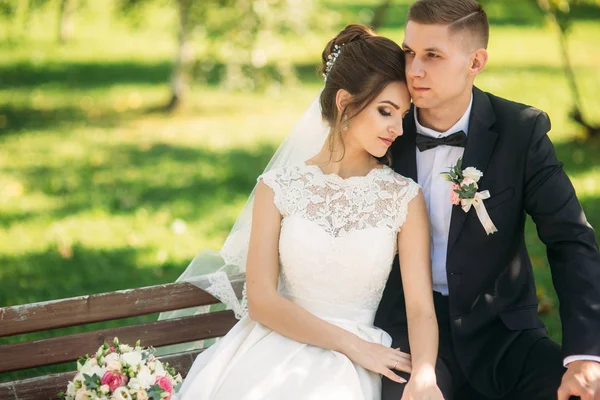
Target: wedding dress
(337, 242)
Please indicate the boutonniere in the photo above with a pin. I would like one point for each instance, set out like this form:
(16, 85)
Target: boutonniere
(464, 193)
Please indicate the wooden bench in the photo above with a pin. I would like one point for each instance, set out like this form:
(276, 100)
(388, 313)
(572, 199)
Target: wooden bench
(18, 320)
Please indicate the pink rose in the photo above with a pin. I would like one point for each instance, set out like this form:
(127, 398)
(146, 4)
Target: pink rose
(111, 349)
(165, 384)
(113, 380)
(454, 197)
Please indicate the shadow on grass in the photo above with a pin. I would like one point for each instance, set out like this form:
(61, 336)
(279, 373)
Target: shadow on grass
(190, 182)
(15, 118)
(578, 155)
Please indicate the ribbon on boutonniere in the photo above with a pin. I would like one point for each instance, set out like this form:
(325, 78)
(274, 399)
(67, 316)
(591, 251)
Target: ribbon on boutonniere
(464, 193)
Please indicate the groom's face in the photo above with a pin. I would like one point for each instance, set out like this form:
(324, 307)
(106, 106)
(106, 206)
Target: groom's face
(437, 64)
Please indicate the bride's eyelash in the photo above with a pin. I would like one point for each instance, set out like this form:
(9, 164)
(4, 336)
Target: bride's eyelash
(384, 113)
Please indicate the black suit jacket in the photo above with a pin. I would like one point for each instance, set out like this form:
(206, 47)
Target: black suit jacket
(492, 294)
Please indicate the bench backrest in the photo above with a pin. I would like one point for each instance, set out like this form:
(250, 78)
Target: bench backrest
(18, 320)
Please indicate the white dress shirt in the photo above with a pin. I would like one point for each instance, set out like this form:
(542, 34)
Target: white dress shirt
(436, 190)
(430, 164)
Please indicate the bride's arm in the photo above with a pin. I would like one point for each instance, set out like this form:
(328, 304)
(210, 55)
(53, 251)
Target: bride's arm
(415, 267)
(269, 308)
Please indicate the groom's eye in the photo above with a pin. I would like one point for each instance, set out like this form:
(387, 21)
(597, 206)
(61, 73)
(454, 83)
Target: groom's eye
(383, 112)
(433, 55)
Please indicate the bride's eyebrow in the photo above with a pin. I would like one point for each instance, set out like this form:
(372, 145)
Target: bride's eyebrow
(390, 103)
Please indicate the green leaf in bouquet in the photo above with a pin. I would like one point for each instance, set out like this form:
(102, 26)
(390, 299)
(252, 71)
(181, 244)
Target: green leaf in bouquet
(154, 392)
(91, 381)
(447, 176)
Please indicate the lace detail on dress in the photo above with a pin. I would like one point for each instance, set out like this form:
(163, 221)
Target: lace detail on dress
(338, 205)
(338, 236)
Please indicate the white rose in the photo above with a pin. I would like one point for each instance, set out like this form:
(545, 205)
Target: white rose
(159, 370)
(145, 377)
(79, 377)
(71, 389)
(132, 358)
(86, 368)
(114, 366)
(142, 395)
(472, 173)
(134, 383)
(112, 357)
(121, 393)
(82, 394)
(124, 348)
(178, 378)
(104, 389)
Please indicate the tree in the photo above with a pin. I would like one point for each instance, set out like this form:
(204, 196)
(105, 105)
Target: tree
(380, 14)
(237, 32)
(558, 13)
(65, 20)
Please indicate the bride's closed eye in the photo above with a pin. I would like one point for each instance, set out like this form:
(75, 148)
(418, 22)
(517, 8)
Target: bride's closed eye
(383, 112)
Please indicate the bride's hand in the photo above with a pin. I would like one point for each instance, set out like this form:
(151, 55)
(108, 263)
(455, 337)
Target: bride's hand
(422, 385)
(380, 359)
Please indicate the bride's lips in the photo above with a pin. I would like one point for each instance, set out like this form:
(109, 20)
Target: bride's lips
(388, 142)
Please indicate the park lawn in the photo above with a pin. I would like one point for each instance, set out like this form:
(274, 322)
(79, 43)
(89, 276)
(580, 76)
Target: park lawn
(99, 191)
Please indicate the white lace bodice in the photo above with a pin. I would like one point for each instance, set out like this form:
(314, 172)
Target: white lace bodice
(338, 236)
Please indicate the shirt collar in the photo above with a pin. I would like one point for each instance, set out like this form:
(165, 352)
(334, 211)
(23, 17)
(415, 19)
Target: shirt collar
(461, 125)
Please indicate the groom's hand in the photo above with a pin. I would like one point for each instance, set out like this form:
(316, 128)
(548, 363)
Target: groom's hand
(581, 379)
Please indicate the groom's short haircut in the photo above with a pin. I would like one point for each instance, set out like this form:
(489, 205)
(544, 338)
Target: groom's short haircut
(459, 15)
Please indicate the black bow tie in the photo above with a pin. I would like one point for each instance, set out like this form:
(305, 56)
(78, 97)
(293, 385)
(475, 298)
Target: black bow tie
(458, 139)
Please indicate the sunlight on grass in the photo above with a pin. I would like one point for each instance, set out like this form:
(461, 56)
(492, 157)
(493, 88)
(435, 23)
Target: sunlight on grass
(100, 191)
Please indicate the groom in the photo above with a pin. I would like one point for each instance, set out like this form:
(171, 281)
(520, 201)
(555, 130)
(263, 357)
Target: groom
(492, 343)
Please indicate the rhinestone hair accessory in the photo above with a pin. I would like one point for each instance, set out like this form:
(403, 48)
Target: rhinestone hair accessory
(331, 59)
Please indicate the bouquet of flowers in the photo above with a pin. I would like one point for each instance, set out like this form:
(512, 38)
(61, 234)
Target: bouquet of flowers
(121, 372)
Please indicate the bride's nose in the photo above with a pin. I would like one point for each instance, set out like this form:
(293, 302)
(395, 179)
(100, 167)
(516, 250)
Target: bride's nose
(396, 131)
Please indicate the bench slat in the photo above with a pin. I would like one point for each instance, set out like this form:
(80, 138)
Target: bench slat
(102, 307)
(56, 350)
(48, 386)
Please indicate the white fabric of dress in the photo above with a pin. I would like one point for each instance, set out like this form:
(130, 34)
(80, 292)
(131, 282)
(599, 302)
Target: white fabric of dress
(337, 243)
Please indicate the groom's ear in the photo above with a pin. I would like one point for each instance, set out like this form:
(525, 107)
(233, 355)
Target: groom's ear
(342, 99)
(479, 60)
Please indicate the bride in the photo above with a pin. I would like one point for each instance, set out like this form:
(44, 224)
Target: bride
(325, 228)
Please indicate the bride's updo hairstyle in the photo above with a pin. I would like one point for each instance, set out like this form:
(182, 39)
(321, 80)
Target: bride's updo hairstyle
(363, 64)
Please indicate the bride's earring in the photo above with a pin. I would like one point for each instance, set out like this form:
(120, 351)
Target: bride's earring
(345, 127)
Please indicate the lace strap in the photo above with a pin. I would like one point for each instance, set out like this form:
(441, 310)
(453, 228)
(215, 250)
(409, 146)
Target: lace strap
(411, 191)
(271, 179)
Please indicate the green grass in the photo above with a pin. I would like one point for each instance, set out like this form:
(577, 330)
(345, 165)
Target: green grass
(93, 181)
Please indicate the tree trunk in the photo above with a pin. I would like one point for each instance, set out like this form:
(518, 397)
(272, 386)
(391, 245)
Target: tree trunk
(65, 20)
(380, 13)
(180, 76)
(577, 112)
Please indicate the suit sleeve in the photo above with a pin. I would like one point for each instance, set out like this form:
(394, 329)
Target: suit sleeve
(570, 241)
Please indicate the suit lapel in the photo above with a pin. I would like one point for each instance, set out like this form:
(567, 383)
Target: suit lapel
(404, 152)
(480, 145)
